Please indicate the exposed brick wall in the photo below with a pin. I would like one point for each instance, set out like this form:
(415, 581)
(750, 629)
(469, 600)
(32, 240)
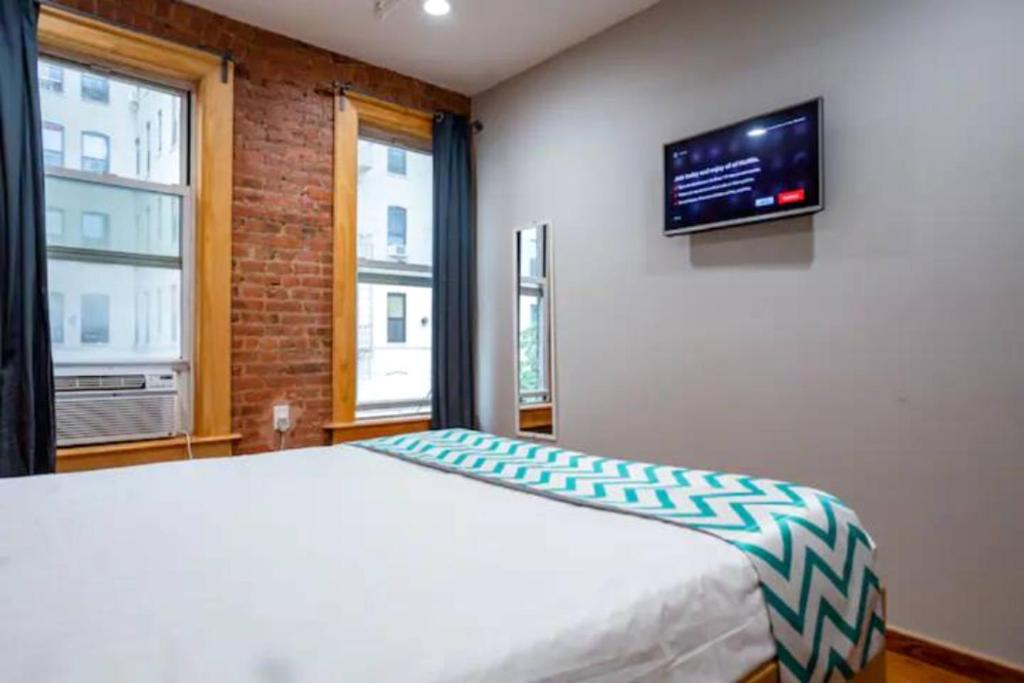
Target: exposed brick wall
(281, 232)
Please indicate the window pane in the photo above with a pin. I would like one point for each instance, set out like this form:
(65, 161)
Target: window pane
(53, 144)
(95, 230)
(394, 374)
(95, 319)
(397, 221)
(106, 319)
(136, 221)
(54, 224)
(102, 139)
(396, 318)
(95, 88)
(51, 77)
(396, 160)
(95, 153)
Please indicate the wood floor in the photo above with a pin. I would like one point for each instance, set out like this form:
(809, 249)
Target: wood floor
(902, 669)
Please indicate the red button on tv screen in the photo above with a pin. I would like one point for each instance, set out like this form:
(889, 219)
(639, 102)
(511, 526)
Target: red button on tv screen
(791, 197)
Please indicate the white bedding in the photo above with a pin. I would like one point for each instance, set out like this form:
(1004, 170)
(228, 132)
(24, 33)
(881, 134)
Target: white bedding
(337, 564)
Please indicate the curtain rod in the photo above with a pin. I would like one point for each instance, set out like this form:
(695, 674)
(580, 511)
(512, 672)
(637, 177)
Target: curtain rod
(339, 88)
(225, 55)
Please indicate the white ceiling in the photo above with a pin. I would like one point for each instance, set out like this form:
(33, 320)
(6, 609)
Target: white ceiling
(479, 44)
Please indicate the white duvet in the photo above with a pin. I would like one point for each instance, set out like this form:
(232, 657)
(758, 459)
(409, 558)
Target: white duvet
(337, 564)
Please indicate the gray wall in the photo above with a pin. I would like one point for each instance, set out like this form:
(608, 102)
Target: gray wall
(875, 350)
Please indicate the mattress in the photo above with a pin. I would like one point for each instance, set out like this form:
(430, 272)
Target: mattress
(338, 564)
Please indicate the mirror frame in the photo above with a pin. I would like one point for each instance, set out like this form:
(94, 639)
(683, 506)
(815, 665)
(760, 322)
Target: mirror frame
(552, 362)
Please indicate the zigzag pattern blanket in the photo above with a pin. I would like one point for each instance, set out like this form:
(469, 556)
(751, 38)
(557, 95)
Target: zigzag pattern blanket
(814, 561)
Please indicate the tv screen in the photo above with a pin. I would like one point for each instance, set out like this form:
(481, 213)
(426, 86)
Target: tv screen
(760, 169)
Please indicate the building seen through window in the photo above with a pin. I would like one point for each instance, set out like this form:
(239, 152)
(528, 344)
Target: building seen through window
(394, 300)
(113, 227)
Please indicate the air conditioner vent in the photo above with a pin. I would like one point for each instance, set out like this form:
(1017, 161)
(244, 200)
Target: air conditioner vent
(94, 419)
(100, 382)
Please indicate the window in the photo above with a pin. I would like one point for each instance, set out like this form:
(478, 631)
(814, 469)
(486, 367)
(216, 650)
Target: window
(396, 318)
(174, 127)
(54, 223)
(395, 279)
(138, 157)
(95, 229)
(53, 144)
(56, 317)
(51, 78)
(149, 150)
(95, 152)
(95, 319)
(397, 221)
(102, 227)
(396, 161)
(159, 131)
(95, 89)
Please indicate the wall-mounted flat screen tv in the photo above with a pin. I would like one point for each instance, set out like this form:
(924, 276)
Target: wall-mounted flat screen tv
(760, 169)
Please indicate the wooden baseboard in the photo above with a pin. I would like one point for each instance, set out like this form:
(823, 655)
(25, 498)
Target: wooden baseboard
(951, 657)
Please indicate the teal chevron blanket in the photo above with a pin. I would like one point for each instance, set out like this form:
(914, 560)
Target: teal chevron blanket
(814, 560)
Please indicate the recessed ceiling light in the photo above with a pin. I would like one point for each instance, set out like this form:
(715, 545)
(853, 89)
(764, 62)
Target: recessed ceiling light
(437, 8)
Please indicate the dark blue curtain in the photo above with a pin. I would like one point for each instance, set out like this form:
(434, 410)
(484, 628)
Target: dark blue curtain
(453, 403)
(27, 438)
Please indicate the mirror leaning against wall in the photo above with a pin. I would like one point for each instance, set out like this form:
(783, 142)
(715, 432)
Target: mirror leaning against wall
(536, 414)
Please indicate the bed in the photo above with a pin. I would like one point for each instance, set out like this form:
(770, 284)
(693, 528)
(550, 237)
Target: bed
(351, 563)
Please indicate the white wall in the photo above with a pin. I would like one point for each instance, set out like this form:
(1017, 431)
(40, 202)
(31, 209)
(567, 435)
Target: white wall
(876, 350)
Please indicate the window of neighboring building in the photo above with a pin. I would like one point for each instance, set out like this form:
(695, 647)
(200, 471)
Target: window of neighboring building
(396, 161)
(56, 300)
(53, 144)
(95, 152)
(149, 149)
(396, 318)
(397, 222)
(54, 222)
(394, 224)
(95, 88)
(95, 319)
(51, 77)
(95, 229)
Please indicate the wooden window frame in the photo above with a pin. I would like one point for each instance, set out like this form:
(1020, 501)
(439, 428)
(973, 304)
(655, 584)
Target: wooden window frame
(93, 41)
(355, 113)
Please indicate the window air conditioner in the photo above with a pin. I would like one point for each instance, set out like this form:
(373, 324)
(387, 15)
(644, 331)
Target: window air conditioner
(123, 407)
(397, 251)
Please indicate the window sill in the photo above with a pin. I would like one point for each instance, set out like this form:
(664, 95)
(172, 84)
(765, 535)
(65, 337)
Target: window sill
(103, 456)
(342, 432)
